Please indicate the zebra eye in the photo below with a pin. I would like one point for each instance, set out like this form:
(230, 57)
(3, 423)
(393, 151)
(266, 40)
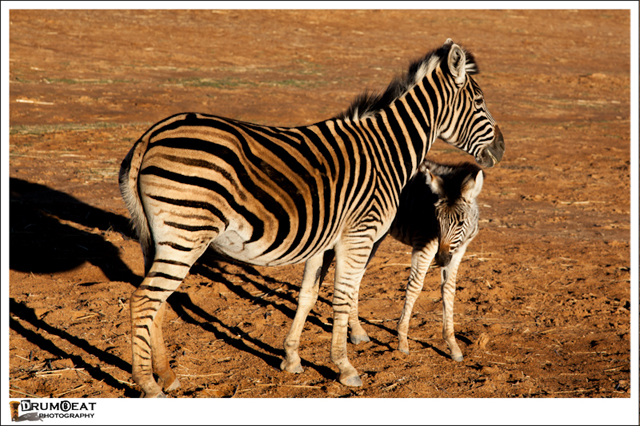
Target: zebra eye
(479, 102)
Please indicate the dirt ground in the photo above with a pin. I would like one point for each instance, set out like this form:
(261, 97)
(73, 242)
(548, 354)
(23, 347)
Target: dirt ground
(543, 300)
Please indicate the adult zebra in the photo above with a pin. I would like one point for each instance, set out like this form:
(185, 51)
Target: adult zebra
(278, 196)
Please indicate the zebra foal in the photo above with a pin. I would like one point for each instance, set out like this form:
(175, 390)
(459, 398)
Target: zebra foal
(438, 222)
(278, 196)
(438, 218)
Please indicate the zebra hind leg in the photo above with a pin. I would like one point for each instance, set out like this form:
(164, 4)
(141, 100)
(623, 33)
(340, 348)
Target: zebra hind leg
(166, 377)
(148, 349)
(358, 334)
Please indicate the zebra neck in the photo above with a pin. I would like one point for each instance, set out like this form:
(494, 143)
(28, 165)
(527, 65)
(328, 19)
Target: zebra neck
(408, 121)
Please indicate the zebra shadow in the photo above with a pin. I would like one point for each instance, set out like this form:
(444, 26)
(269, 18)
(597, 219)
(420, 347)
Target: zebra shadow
(40, 243)
(460, 337)
(214, 268)
(41, 240)
(21, 312)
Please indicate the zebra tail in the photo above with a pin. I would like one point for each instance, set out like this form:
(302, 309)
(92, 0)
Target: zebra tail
(128, 180)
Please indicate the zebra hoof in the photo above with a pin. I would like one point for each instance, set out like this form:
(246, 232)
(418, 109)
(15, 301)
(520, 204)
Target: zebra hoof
(295, 368)
(458, 358)
(353, 381)
(172, 386)
(404, 350)
(357, 339)
(156, 395)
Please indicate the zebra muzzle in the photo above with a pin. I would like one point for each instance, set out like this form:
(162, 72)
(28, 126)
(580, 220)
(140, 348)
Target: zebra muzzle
(493, 153)
(443, 258)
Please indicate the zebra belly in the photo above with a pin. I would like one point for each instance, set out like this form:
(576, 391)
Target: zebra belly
(190, 216)
(234, 246)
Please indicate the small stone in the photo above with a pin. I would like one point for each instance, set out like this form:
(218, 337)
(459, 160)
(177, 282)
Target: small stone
(494, 328)
(490, 370)
(482, 341)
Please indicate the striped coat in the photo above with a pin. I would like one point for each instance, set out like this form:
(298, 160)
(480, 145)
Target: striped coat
(438, 218)
(277, 196)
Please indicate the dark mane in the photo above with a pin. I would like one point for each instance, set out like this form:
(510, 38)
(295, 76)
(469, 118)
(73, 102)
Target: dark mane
(368, 103)
(453, 175)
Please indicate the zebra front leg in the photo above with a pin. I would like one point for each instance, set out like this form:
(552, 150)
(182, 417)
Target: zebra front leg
(350, 268)
(167, 378)
(314, 272)
(448, 289)
(358, 334)
(420, 261)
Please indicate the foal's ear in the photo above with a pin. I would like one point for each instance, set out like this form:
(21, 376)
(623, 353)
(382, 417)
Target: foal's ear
(473, 185)
(457, 61)
(435, 183)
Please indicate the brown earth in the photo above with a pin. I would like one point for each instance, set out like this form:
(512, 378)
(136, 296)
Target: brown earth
(543, 300)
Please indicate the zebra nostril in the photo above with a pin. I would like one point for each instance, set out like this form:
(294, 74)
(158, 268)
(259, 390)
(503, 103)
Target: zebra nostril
(493, 153)
(487, 159)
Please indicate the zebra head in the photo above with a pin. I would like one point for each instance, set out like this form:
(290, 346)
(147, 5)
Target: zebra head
(456, 208)
(468, 125)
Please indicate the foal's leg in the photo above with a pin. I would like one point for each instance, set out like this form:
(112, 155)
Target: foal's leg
(420, 261)
(448, 289)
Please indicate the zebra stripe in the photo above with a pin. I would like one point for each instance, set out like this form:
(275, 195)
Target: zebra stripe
(277, 196)
(438, 218)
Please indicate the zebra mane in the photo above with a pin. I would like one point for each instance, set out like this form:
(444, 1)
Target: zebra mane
(368, 103)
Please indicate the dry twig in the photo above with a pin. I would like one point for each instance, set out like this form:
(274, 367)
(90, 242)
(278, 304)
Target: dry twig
(71, 390)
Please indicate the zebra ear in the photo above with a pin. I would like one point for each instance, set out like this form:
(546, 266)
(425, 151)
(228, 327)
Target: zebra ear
(423, 168)
(434, 182)
(457, 64)
(472, 187)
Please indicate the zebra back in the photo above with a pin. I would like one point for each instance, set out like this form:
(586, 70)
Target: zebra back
(269, 195)
(273, 195)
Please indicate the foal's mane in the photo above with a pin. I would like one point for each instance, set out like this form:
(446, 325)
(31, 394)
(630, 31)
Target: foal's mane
(454, 175)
